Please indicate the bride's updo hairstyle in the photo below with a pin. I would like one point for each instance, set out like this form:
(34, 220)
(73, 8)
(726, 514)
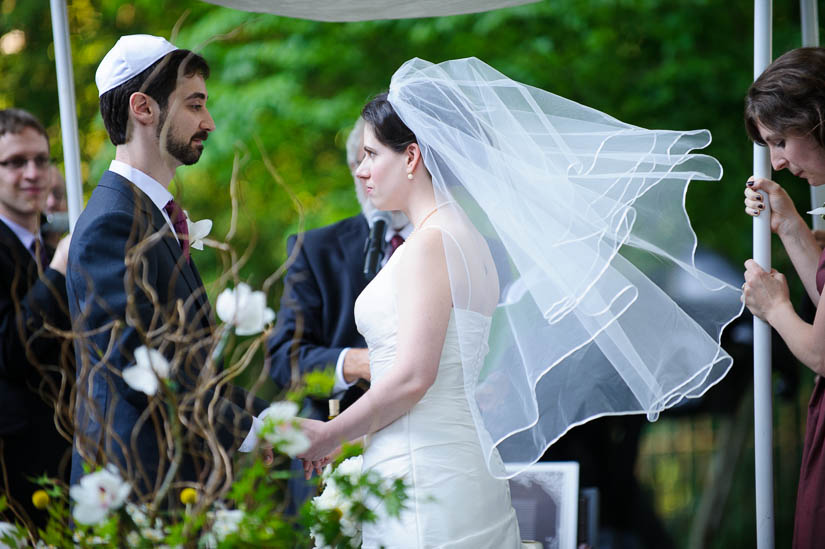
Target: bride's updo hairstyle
(789, 97)
(387, 125)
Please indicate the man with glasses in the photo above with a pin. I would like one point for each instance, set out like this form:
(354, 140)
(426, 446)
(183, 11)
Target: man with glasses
(36, 363)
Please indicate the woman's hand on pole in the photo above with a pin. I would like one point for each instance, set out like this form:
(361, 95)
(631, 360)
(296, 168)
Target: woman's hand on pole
(764, 292)
(784, 216)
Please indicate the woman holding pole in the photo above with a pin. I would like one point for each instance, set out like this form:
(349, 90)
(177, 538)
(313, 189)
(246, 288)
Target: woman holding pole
(785, 111)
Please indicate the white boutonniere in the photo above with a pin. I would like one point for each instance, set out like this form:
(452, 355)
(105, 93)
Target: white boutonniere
(819, 211)
(198, 230)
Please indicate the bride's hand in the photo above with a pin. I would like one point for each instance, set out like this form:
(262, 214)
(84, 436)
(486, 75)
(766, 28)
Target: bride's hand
(321, 443)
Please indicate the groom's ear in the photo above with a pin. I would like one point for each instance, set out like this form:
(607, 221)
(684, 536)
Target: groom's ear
(143, 108)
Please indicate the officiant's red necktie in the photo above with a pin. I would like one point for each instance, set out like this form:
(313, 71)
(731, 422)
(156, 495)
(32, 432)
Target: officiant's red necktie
(178, 219)
(395, 242)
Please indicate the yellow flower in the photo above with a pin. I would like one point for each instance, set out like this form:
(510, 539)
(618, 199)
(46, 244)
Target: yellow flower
(40, 499)
(188, 496)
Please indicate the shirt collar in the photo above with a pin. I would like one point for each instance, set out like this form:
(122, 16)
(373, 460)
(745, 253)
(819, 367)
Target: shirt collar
(157, 193)
(25, 236)
(404, 232)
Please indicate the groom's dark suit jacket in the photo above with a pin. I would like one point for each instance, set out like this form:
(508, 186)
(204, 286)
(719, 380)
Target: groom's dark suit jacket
(33, 359)
(129, 285)
(316, 320)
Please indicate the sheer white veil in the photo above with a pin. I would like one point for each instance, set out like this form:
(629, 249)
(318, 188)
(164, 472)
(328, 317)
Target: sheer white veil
(585, 220)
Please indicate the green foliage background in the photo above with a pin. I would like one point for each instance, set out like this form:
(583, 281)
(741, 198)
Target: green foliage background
(288, 90)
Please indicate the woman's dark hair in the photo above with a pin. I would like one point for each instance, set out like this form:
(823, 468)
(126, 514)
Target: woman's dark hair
(158, 81)
(789, 97)
(387, 125)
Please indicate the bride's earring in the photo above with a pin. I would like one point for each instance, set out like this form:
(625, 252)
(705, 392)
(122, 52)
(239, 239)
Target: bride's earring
(409, 175)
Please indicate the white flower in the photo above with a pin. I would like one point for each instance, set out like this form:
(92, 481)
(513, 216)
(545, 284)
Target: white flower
(244, 309)
(285, 435)
(333, 498)
(149, 366)
(97, 494)
(198, 230)
(10, 530)
(133, 539)
(226, 522)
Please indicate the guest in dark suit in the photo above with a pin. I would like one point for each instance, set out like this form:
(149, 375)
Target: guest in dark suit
(35, 362)
(316, 323)
(132, 282)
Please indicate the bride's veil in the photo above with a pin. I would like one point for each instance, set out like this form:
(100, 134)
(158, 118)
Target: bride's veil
(583, 218)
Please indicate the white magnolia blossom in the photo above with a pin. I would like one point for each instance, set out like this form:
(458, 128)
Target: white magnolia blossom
(150, 366)
(285, 435)
(97, 494)
(198, 230)
(333, 498)
(244, 309)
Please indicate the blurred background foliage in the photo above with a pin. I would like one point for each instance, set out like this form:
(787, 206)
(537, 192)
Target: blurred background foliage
(287, 91)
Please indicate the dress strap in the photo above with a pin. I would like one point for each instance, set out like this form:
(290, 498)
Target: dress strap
(463, 259)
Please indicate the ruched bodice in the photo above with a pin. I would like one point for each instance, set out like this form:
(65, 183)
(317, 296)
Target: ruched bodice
(454, 501)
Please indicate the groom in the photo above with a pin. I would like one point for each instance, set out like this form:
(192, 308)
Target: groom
(132, 281)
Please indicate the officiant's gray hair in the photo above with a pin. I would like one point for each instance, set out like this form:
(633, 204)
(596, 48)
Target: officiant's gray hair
(354, 140)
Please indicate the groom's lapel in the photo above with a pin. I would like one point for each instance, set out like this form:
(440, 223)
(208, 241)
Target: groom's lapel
(144, 207)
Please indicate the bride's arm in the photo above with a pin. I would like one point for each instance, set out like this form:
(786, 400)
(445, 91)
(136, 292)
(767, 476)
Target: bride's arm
(424, 303)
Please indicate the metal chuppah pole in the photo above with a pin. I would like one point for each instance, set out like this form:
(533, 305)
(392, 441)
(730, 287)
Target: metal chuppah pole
(68, 112)
(810, 37)
(762, 403)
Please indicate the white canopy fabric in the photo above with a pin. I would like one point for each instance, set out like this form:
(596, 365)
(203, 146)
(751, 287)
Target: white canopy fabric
(363, 10)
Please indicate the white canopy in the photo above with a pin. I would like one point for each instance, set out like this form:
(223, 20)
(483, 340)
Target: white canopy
(362, 10)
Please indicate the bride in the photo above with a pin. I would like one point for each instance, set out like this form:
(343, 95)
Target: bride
(551, 232)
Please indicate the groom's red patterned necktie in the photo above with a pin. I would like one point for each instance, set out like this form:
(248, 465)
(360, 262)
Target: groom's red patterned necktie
(178, 219)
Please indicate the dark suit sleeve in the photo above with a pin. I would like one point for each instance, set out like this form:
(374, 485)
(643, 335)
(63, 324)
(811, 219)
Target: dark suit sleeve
(26, 325)
(298, 334)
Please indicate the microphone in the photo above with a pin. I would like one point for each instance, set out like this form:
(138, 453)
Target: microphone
(57, 222)
(374, 246)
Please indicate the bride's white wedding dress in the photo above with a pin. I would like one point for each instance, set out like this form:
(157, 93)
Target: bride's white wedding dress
(453, 499)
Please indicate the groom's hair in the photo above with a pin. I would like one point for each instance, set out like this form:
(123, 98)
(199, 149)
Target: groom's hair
(387, 125)
(789, 97)
(158, 81)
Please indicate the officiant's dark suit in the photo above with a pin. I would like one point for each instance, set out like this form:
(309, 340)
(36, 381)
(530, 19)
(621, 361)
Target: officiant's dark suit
(316, 320)
(31, 359)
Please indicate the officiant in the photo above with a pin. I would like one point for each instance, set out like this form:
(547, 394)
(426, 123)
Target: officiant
(316, 324)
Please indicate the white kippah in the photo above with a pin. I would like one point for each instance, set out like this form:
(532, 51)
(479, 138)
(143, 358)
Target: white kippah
(130, 56)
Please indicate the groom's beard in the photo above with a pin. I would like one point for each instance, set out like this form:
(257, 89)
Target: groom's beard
(184, 151)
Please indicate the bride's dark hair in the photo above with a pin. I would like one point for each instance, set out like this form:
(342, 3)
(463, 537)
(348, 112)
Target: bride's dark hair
(387, 125)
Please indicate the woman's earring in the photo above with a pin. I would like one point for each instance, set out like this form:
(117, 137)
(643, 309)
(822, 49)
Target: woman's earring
(409, 175)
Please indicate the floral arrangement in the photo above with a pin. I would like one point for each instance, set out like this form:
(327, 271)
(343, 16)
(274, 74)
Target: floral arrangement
(240, 503)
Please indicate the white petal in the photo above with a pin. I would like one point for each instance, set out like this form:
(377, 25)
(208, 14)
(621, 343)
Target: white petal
(88, 514)
(200, 229)
(280, 411)
(152, 358)
(225, 306)
(818, 211)
(141, 379)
